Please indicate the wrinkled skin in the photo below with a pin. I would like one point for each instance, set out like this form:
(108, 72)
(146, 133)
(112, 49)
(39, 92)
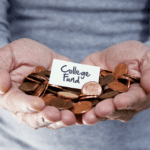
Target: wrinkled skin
(20, 58)
(125, 105)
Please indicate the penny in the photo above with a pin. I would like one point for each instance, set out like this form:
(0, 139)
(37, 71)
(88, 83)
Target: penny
(104, 72)
(95, 102)
(67, 104)
(48, 97)
(136, 79)
(28, 86)
(81, 107)
(107, 79)
(69, 95)
(105, 88)
(45, 87)
(128, 84)
(39, 69)
(86, 97)
(40, 89)
(118, 86)
(126, 77)
(42, 74)
(27, 79)
(47, 73)
(110, 94)
(76, 91)
(51, 91)
(91, 88)
(120, 70)
(55, 87)
(36, 77)
(124, 81)
(56, 102)
(79, 101)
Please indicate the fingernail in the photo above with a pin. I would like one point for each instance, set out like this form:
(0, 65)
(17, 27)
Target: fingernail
(47, 121)
(124, 107)
(2, 92)
(3, 89)
(84, 122)
(112, 113)
(122, 120)
(60, 124)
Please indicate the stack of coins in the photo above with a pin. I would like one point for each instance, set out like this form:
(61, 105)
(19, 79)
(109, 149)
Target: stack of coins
(78, 101)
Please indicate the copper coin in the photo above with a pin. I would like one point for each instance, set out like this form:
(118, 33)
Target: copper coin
(128, 84)
(42, 74)
(46, 83)
(51, 91)
(95, 102)
(56, 102)
(91, 88)
(120, 70)
(67, 104)
(104, 72)
(73, 90)
(39, 69)
(110, 94)
(36, 77)
(28, 86)
(118, 86)
(107, 79)
(27, 79)
(48, 97)
(136, 79)
(41, 88)
(55, 87)
(86, 97)
(124, 81)
(126, 77)
(82, 107)
(69, 95)
(47, 73)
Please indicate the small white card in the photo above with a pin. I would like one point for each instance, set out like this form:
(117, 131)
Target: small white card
(73, 75)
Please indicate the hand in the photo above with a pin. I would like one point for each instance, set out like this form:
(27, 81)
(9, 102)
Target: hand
(125, 105)
(17, 60)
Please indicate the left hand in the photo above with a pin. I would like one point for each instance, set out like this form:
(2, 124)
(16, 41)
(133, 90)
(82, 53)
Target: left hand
(17, 60)
(125, 105)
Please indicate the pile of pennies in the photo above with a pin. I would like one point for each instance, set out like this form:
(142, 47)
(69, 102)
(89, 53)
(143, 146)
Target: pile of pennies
(78, 101)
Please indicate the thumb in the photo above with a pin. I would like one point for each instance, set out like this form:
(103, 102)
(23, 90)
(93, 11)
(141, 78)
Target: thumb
(145, 72)
(5, 81)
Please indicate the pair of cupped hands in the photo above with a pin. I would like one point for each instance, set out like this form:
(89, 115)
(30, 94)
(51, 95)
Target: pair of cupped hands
(20, 58)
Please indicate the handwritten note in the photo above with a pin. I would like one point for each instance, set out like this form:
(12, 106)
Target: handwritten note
(73, 75)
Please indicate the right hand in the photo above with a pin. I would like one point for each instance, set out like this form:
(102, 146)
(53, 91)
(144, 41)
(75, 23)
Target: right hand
(17, 60)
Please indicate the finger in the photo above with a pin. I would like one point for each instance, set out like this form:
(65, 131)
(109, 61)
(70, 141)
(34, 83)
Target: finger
(145, 72)
(67, 119)
(17, 101)
(44, 118)
(5, 81)
(90, 118)
(103, 119)
(104, 108)
(133, 99)
(38, 54)
(130, 52)
(119, 53)
(122, 115)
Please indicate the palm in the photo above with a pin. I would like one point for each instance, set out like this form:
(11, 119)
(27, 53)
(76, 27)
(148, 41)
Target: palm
(125, 105)
(18, 60)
